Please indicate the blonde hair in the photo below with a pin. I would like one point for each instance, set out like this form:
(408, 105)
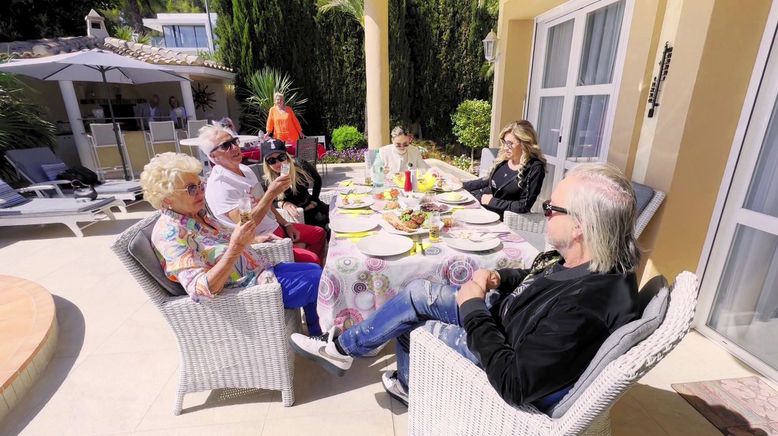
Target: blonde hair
(278, 94)
(603, 203)
(160, 175)
(528, 138)
(294, 173)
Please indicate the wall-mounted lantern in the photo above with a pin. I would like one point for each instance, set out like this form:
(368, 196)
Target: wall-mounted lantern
(490, 44)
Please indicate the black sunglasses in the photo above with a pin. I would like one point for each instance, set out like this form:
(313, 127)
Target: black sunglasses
(273, 160)
(226, 145)
(549, 209)
(191, 189)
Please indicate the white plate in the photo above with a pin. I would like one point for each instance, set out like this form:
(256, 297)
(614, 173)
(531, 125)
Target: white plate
(365, 202)
(379, 205)
(355, 189)
(352, 225)
(468, 245)
(476, 216)
(384, 244)
(446, 198)
(390, 228)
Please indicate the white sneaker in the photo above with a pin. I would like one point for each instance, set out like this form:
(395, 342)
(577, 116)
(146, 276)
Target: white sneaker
(322, 350)
(394, 387)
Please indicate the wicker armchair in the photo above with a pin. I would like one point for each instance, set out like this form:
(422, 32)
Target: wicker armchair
(236, 340)
(450, 395)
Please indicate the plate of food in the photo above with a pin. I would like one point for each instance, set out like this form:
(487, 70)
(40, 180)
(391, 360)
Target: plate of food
(388, 194)
(434, 207)
(444, 184)
(352, 225)
(453, 198)
(476, 216)
(405, 222)
(354, 201)
(384, 244)
(384, 205)
(354, 189)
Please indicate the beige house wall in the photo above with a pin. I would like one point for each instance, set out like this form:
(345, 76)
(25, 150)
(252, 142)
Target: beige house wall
(683, 149)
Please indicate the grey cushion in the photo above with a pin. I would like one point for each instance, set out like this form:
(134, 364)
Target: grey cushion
(643, 194)
(141, 249)
(30, 161)
(487, 159)
(9, 197)
(618, 343)
(53, 170)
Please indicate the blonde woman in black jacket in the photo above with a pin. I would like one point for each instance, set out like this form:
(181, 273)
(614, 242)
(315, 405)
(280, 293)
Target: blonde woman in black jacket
(515, 180)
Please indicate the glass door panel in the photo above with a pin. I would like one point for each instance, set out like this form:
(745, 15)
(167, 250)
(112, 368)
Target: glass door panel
(557, 55)
(549, 123)
(601, 39)
(763, 191)
(587, 129)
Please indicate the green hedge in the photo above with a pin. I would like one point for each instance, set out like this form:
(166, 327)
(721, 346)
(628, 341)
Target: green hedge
(345, 137)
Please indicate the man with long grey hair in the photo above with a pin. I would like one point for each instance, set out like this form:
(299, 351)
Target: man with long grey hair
(533, 331)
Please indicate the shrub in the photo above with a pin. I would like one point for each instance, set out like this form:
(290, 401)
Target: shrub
(351, 155)
(472, 121)
(345, 137)
(462, 162)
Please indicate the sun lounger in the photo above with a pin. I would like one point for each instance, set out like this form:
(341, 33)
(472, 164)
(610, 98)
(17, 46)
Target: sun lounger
(16, 210)
(32, 163)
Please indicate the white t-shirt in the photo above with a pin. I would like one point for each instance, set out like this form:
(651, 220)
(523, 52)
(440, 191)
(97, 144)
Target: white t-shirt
(224, 190)
(397, 162)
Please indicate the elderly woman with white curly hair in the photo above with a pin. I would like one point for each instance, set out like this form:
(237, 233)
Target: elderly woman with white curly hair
(205, 256)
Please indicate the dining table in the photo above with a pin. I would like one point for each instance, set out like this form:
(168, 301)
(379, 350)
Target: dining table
(356, 279)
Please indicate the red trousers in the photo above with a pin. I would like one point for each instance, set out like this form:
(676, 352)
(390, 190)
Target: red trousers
(313, 237)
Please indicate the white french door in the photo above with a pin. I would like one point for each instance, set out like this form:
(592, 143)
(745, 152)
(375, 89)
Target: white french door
(738, 304)
(577, 60)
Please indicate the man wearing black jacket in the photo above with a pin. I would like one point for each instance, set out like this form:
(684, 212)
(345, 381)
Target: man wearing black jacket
(537, 330)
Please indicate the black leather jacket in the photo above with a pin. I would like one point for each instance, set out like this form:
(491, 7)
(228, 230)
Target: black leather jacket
(536, 341)
(511, 195)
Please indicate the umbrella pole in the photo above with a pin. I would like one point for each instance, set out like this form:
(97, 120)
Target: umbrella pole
(116, 129)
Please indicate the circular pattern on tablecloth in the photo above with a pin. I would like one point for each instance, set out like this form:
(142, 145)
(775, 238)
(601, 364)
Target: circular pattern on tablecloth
(458, 270)
(364, 301)
(364, 276)
(347, 265)
(347, 318)
(432, 251)
(329, 290)
(375, 264)
(379, 283)
(510, 237)
(512, 252)
(360, 287)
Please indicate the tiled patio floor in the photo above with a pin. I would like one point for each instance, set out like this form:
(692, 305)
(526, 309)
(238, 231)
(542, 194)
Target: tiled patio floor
(114, 369)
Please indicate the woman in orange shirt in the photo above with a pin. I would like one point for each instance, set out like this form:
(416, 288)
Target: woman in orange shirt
(282, 123)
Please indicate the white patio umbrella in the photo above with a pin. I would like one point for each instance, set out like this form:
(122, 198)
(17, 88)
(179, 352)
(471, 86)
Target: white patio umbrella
(93, 65)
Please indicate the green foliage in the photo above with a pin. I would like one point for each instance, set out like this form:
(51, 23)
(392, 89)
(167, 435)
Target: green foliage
(345, 137)
(260, 88)
(22, 124)
(472, 121)
(461, 162)
(33, 19)
(127, 33)
(354, 8)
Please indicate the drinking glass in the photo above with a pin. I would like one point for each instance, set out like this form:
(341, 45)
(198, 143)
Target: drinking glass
(435, 224)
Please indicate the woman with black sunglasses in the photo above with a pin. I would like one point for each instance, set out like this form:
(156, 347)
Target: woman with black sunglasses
(302, 178)
(517, 175)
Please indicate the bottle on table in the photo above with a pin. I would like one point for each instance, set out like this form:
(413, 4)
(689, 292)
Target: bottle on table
(378, 171)
(408, 179)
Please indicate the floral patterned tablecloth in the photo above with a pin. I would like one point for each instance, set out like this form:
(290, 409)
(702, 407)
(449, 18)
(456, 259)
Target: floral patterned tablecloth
(354, 285)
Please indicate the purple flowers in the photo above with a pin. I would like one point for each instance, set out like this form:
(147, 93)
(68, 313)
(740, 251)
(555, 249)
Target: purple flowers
(351, 155)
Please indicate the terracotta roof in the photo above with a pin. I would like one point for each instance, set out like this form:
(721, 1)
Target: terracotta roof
(154, 55)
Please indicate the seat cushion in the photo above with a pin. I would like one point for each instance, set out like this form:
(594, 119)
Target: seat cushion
(643, 194)
(53, 170)
(617, 344)
(9, 197)
(141, 249)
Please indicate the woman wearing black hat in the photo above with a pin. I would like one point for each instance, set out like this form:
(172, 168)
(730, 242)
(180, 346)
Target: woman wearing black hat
(302, 177)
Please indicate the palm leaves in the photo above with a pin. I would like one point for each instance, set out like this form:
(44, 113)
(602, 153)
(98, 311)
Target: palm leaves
(260, 87)
(355, 8)
(127, 33)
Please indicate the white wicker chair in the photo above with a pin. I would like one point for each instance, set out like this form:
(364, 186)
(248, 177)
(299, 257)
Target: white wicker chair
(236, 340)
(451, 396)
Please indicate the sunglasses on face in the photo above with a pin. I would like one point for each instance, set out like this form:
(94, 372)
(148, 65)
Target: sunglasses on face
(226, 145)
(549, 209)
(273, 160)
(191, 189)
(402, 144)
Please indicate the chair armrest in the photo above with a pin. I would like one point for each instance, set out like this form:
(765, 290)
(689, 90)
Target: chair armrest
(528, 222)
(451, 395)
(37, 189)
(288, 217)
(276, 251)
(326, 197)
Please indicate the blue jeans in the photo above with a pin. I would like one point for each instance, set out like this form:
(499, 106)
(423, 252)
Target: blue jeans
(419, 302)
(300, 288)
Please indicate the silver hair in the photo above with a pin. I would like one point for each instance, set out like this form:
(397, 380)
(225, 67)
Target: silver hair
(160, 175)
(207, 136)
(603, 202)
(399, 131)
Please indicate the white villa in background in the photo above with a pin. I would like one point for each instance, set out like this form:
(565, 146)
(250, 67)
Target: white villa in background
(188, 33)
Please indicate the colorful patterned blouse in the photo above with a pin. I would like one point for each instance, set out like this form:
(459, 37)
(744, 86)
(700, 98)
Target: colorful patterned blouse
(188, 250)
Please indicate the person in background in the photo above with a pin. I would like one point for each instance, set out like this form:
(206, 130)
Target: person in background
(302, 178)
(154, 109)
(517, 175)
(230, 181)
(397, 155)
(206, 257)
(538, 329)
(177, 113)
(229, 126)
(282, 123)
